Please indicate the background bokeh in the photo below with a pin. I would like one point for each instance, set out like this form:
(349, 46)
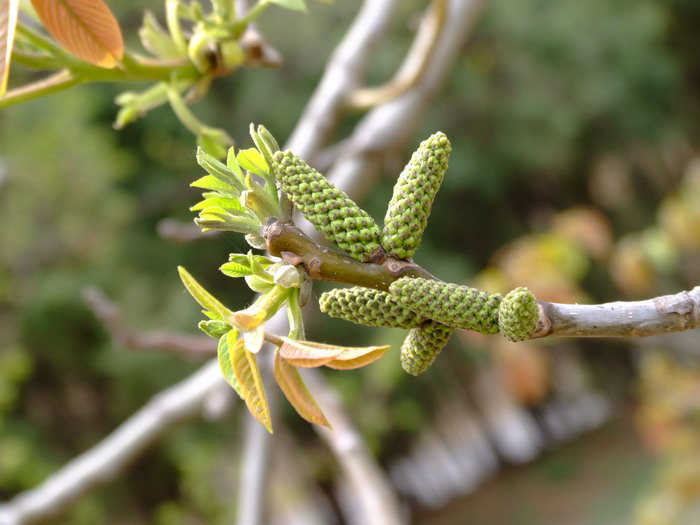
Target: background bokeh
(575, 171)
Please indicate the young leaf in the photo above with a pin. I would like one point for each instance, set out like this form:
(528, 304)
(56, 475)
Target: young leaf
(86, 28)
(218, 169)
(247, 372)
(251, 160)
(209, 182)
(294, 389)
(233, 269)
(307, 354)
(8, 22)
(357, 357)
(225, 362)
(227, 203)
(243, 259)
(204, 298)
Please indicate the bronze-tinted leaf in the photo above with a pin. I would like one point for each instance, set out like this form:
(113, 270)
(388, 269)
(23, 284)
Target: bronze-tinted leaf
(86, 28)
(357, 357)
(291, 383)
(247, 372)
(8, 22)
(308, 354)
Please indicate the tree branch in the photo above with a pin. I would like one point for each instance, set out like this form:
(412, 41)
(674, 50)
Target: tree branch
(104, 462)
(413, 67)
(661, 315)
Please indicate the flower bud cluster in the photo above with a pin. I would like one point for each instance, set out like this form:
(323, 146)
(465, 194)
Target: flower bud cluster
(329, 209)
(368, 307)
(451, 304)
(407, 215)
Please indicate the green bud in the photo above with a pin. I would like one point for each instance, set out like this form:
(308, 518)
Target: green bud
(409, 209)
(518, 315)
(451, 304)
(329, 209)
(288, 276)
(368, 307)
(422, 346)
(201, 49)
(256, 241)
(214, 328)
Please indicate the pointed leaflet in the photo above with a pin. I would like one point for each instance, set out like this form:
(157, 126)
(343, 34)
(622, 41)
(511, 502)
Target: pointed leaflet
(8, 22)
(308, 354)
(245, 368)
(86, 28)
(296, 392)
(204, 298)
(358, 357)
(225, 362)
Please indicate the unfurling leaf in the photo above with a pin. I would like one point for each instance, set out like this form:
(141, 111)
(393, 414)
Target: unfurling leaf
(86, 28)
(296, 392)
(308, 354)
(204, 298)
(225, 362)
(247, 372)
(8, 22)
(353, 358)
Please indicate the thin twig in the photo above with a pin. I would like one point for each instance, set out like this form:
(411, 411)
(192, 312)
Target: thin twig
(178, 343)
(413, 67)
(342, 74)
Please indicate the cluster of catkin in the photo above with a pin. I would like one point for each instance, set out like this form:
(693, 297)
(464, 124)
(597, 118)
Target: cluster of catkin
(430, 309)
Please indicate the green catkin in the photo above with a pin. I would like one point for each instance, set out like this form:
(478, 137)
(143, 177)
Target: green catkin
(518, 315)
(329, 209)
(422, 346)
(368, 307)
(451, 304)
(414, 192)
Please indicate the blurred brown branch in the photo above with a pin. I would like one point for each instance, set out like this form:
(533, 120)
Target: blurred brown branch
(177, 343)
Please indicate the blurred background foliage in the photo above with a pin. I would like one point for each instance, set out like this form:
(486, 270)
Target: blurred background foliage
(575, 171)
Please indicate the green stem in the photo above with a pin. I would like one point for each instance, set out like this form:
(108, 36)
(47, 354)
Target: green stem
(40, 41)
(183, 113)
(57, 82)
(172, 19)
(252, 14)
